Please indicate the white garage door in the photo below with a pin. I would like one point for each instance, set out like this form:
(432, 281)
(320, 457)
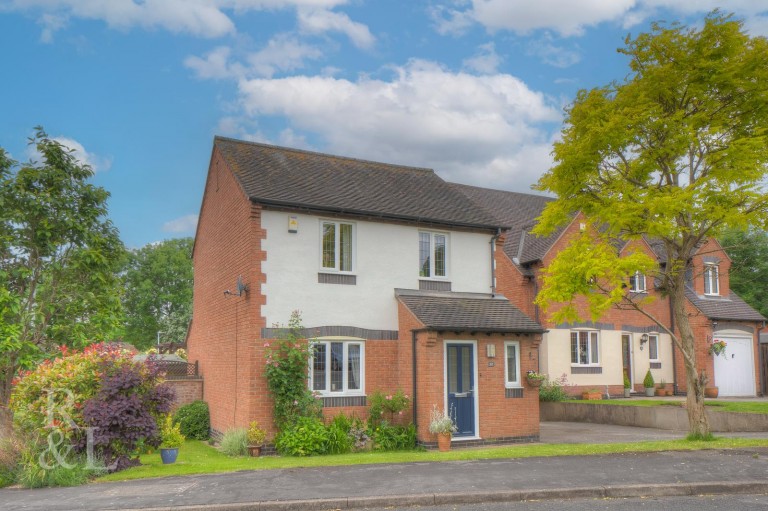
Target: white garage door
(735, 373)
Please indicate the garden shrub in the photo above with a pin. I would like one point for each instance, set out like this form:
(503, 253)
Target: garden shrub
(195, 420)
(339, 440)
(392, 404)
(234, 442)
(10, 460)
(306, 437)
(72, 470)
(394, 438)
(554, 390)
(286, 371)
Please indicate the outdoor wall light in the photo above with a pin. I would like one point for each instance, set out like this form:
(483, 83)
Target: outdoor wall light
(490, 350)
(643, 339)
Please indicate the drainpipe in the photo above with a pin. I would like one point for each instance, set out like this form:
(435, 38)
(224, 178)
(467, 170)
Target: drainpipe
(413, 392)
(494, 238)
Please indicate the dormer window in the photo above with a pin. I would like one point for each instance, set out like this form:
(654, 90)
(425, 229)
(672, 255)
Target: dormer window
(711, 280)
(637, 283)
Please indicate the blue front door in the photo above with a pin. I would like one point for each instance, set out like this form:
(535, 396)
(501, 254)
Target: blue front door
(461, 387)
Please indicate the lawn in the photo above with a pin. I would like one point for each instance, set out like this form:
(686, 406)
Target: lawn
(197, 457)
(725, 406)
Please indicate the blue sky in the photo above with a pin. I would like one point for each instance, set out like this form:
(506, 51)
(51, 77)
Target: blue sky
(474, 89)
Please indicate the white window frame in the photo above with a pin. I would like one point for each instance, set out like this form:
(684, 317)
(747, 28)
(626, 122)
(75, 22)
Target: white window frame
(337, 247)
(327, 392)
(711, 276)
(591, 334)
(512, 384)
(635, 280)
(432, 275)
(653, 338)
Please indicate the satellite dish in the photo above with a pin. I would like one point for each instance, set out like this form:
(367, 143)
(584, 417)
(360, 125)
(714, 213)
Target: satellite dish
(241, 288)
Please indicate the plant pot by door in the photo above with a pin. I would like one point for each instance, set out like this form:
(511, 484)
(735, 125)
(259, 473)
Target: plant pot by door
(254, 451)
(711, 391)
(169, 455)
(661, 392)
(626, 392)
(649, 391)
(444, 442)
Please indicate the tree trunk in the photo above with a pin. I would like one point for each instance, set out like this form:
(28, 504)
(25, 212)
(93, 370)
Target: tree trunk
(6, 418)
(698, 425)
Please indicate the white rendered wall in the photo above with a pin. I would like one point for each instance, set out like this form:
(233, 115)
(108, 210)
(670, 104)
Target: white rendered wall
(386, 257)
(556, 359)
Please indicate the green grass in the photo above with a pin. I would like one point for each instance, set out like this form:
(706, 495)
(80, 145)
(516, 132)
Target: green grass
(197, 457)
(725, 406)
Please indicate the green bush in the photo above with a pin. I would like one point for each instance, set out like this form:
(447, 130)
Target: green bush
(554, 390)
(10, 459)
(234, 442)
(648, 382)
(195, 420)
(381, 404)
(306, 437)
(339, 439)
(627, 383)
(75, 470)
(394, 438)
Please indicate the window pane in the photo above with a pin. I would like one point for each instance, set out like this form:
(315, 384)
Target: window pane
(633, 282)
(584, 348)
(640, 282)
(653, 348)
(574, 348)
(353, 370)
(593, 349)
(318, 367)
(439, 255)
(715, 282)
(329, 245)
(512, 363)
(453, 369)
(337, 367)
(466, 372)
(424, 250)
(707, 281)
(345, 247)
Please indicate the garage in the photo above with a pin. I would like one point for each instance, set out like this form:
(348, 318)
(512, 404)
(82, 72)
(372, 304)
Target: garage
(735, 371)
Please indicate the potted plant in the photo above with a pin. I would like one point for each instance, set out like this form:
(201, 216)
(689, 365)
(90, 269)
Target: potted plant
(535, 379)
(172, 438)
(649, 384)
(662, 389)
(256, 438)
(441, 424)
(627, 385)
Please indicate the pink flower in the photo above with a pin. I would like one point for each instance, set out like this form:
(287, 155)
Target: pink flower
(400, 412)
(295, 402)
(266, 345)
(389, 398)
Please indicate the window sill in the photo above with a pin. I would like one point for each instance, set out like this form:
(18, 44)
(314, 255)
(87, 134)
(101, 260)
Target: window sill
(513, 386)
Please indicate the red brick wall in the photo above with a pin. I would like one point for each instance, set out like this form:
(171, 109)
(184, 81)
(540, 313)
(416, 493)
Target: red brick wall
(224, 329)
(186, 391)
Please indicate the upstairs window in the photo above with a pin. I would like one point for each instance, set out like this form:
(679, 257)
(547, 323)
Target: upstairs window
(337, 246)
(711, 280)
(585, 348)
(433, 255)
(637, 283)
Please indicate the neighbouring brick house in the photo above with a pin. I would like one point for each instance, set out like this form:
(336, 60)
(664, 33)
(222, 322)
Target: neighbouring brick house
(407, 282)
(392, 271)
(596, 354)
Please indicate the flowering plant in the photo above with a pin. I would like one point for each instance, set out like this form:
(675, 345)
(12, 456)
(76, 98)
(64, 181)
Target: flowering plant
(440, 422)
(717, 348)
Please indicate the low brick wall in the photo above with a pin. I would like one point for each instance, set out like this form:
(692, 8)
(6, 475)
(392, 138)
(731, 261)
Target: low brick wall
(187, 390)
(661, 417)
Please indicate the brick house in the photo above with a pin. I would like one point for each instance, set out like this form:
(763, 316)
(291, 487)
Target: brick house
(596, 354)
(392, 270)
(407, 282)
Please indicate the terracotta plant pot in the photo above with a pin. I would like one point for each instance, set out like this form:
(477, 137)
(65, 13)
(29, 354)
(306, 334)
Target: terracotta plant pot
(591, 396)
(711, 391)
(661, 392)
(444, 442)
(254, 450)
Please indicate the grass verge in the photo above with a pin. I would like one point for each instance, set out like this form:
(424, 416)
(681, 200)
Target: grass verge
(197, 457)
(724, 406)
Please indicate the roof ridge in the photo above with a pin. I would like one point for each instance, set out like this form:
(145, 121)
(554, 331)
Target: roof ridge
(501, 191)
(318, 153)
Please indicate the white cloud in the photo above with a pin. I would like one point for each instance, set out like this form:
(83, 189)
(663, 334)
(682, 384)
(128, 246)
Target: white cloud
(485, 61)
(468, 127)
(185, 224)
(319, 21)
(571, 18)
(97, 163)
(214, 65)
(549, 53)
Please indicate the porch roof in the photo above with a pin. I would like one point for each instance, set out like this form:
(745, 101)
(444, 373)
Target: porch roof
(470, 312)
(724, 307)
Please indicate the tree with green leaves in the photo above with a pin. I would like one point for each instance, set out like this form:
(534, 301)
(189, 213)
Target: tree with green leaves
(748, 251)
(158, 292)
(59, 259)
(675, 153)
